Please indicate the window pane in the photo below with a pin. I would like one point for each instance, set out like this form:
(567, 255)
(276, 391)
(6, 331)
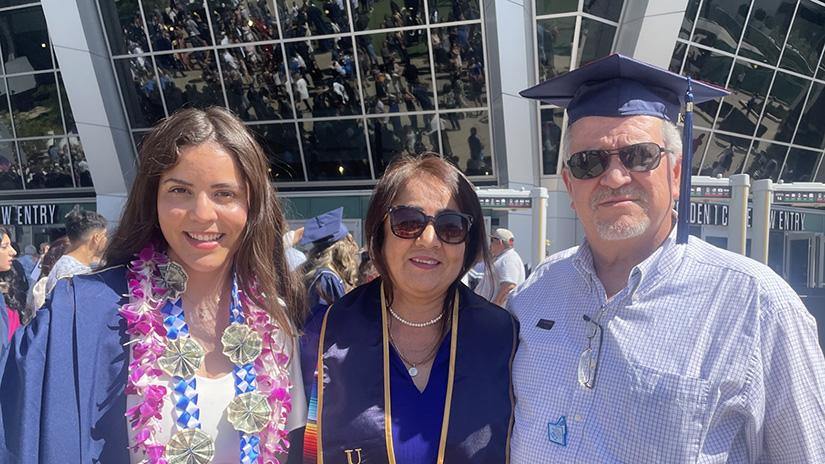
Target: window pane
(139, 88)
(35, 106)
(678, 57)
(382, 76)
(724, 156)
(800, 165)
(596, 41)
(242, 21)
(460, 75)
(280, 143)
(453, 10)
(712, 68)
(198, 87)
(46, 163)
(766, 160)
(741, 109)
(805, 40)
(690, 16)
(820, 175)
(138, 138)
(467, 146)
(810, 131)
(5, 115)
(324, 82)
(699, 147)
(393, 136)
(192, 19)
(82, 176)
(551, 123)
(720, 24)
(784, 106)
(124, 26)
(10, 177)
(766, 29)
(544, 7)
(305, 18)
(607, 9)
(255, 86)
(336, 150)
(25, 40)
(554, 44)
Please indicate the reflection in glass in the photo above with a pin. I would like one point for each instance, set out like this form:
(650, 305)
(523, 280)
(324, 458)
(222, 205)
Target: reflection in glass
(336, 150)
(699, 148)
(554, 44)
(725, 155)
(544, 7)
(255, 80)
(607, 9)
(677, 58)
(80, 167)
(765, 160)
(137, 139)
(687, 22)
(820, 175)
(453, 10)
(280, 143)
(392, 136)
(386, 14)
(741, 109)
(784, 105)
(5, 115)
(551, 124)
(800, 165)
(139, 89)
(596, 41)
(403, 72)
(46, 163)
(124, 26)
(459, 72)
(35, 105)
(810, 131)
(805, 41)
(242, 21)
(323, 82)
(10, 173)
(68, 116)
(766, 29)
(468, 147)
(308, 18)
(712, 68)
(720, 24)
(25, 40)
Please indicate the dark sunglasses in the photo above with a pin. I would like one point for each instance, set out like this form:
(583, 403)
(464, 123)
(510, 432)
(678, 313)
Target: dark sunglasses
(639, 157)
(450, 226)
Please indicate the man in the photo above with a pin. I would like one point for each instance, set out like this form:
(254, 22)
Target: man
(507, 272)
(29, 261)
(87, 233)
(636, 348)
(34, 276)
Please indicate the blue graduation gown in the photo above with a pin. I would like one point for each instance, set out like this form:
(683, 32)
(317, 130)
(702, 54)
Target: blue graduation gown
(63, 377)
(352, 417)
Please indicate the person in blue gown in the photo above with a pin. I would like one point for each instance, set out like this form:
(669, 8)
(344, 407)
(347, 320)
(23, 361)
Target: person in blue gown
(414, 367)
(201, 203)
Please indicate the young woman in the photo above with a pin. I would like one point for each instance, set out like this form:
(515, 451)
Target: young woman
(179, 352)
(12, 319)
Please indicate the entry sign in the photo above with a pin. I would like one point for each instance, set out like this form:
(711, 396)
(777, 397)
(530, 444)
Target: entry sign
(810, 198)
(28, 215)
(506, 202)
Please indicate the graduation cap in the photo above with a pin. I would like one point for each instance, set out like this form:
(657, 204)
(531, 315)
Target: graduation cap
(618, 86)
(325, 228)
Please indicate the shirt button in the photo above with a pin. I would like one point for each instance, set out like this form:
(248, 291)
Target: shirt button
(577, 418)
(635, 299)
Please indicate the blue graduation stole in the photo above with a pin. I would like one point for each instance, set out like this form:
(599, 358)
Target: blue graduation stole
(353, 394)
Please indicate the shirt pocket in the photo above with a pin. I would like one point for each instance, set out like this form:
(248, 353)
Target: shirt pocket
(662, 416)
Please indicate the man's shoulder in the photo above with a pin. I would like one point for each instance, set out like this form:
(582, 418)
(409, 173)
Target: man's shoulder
(556, 265)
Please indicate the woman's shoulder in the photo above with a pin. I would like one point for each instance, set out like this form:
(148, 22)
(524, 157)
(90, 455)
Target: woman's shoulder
(478, 307)
(91, 293)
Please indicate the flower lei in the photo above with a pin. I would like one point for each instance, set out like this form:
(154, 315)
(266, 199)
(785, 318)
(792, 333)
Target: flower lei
(148, 291)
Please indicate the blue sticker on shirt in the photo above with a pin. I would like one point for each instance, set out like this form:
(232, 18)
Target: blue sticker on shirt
(557, 433)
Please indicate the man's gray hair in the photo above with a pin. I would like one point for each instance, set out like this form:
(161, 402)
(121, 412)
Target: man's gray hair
(670, 136)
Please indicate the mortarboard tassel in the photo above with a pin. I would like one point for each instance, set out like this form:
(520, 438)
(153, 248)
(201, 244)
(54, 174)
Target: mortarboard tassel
(682, 227)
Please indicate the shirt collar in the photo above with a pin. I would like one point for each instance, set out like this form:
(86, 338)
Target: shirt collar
(644, 277)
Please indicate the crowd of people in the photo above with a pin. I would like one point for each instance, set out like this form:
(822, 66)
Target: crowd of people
(55, 163)
(212, 333)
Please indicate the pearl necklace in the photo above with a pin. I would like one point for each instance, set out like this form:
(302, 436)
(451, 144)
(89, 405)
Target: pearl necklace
(414, 324)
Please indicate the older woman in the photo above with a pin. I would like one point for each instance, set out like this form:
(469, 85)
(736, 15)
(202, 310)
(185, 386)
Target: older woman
(416, 367)
(180, 351)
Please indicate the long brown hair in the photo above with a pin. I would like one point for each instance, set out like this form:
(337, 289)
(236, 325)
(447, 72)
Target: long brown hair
(261, 257)
(461, 190)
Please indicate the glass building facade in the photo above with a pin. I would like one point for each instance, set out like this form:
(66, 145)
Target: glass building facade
(769, 54)
(333, 89)
(569, 34)
(40, 149)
